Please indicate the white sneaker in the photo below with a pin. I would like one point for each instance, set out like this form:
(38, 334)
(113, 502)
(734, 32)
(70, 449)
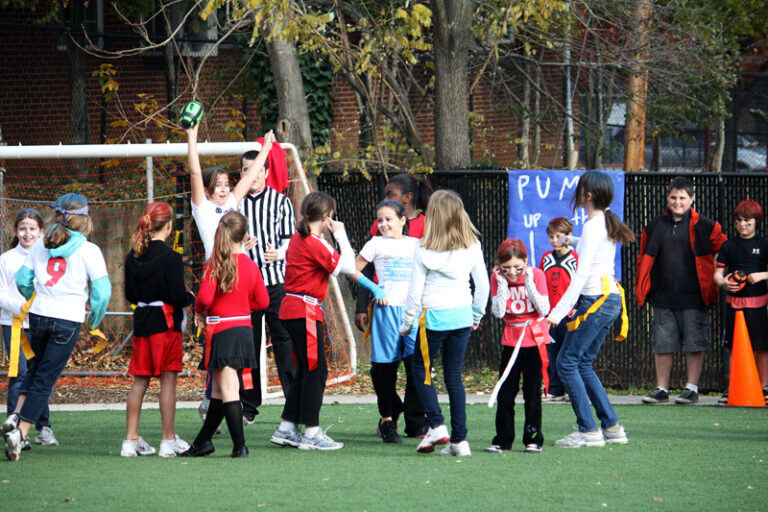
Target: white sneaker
(321, 441)
(532, 448)
(11, 422)
(437, 435)
(134, 448)
(578, 439)
(14, 442)
(45, 437)
(460, 449)
(290, 438)
(615, 435)
(172, 447)
(494, 448)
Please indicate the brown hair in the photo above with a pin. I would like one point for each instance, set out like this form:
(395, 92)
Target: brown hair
(57, 235)
(222, 266)
(559, 225)
(211, 176)
(25, 213)
(156, 215)
(680, 183)
(600, 186)
(314, 207)
(447, 226)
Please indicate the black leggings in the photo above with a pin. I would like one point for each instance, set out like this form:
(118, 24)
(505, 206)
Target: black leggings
(305, 396)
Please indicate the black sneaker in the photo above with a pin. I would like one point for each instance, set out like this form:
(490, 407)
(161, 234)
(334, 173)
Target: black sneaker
(249, 416)
(688, 396)
(388, 431)
(657, 396)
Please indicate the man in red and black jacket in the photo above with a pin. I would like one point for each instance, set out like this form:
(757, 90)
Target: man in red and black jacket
(675, 271)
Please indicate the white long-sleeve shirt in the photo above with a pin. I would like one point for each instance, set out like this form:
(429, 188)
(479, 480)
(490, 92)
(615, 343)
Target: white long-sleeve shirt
(440, 280)
(11, 300)
(596, 259)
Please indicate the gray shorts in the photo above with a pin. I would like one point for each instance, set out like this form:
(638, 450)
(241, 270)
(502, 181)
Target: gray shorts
(673, 329)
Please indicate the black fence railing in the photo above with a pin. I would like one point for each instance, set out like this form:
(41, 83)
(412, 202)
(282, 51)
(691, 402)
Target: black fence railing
(621, 364)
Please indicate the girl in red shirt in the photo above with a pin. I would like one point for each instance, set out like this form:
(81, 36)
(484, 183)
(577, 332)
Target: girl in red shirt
(309, 262)
(519, 296)
(231, 288)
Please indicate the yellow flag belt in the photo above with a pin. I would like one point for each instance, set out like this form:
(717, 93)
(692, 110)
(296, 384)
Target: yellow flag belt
(574, 324)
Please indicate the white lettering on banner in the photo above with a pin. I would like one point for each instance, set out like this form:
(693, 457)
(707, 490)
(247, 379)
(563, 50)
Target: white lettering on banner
(531, 220)
(579, 217)
(531, 246)
(522, 181)
(567, 184)
(544, 194)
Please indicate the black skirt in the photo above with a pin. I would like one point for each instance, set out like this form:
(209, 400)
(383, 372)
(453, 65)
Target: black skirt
(234, 348)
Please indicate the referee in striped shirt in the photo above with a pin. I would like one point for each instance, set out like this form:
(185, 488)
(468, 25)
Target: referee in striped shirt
(271, 223)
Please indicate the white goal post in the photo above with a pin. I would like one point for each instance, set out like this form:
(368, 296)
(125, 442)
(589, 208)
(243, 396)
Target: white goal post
(151, 150)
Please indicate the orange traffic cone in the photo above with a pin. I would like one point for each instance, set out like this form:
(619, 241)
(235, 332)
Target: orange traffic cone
(744, 389)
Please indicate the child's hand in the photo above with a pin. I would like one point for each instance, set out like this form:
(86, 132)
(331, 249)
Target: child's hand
(192, 132)
(250, 242)
(561, 240)
(730, 286)
(528, 271)
(551, 322)
(382, 302)
(361, 321)
(269, 139)
(270, 254)
(332, 225)
(200, 320)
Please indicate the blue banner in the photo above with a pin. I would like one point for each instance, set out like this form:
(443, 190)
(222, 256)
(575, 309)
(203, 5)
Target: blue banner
(536, 197)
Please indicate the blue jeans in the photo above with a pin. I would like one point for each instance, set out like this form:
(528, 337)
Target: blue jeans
(574, 363)
(454, 345)
(52, 340)
(14, 383)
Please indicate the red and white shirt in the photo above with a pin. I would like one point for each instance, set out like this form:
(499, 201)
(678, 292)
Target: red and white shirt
(520, 309)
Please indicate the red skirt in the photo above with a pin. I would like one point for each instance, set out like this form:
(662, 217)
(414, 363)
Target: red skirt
(155, 354)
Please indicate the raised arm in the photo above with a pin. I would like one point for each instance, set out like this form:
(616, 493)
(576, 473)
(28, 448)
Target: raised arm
(244, 185)
(195, 171)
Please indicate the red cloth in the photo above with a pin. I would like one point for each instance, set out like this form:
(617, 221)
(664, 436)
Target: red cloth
(278, 169)
(309, 261)
(415, 227)
(520, 309)
(249, 294)
(157, 353)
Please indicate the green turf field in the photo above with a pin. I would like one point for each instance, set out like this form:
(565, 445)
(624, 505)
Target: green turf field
(679, 458)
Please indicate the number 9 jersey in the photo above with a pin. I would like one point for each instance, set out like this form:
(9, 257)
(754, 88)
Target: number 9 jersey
(60, 277)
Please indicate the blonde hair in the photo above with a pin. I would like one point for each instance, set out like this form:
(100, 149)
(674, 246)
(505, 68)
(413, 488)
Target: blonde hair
(447, 226)
(222, 266)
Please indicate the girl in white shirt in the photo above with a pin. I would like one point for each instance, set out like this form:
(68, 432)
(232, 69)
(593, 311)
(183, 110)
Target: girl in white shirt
(28, 226)
(597, 298)
(449, 253)
(64, 271)
(392, 255)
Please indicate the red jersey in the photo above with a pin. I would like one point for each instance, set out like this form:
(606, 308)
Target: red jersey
(249, 294)
(309, 261)
(558, 270)
(415, 227)
(520, 309)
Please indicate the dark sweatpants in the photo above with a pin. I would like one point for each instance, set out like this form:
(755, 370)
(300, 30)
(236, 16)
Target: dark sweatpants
(302, 405)
(529, 364)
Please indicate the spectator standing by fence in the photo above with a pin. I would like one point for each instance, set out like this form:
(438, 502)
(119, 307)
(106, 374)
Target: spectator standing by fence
(675, 269)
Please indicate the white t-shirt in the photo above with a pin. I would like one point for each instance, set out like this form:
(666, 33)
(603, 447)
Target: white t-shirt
(393, 259)
(11, 300)
(62, 283)
(207, 217)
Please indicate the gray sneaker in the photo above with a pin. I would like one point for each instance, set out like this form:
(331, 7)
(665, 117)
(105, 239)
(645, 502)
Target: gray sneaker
(615, 435)
(14, 443)
(688, 396)
(321, 441)
(578, 439)
(11, 422)
(45, 437)
(657, 396)
(286, 438)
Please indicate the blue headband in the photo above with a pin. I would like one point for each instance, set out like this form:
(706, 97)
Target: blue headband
(64, 212)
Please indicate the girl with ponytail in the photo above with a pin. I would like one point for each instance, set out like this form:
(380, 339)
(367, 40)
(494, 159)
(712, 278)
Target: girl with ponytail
(154, 282)
(58, 272)
(232, 287)
(598, 299)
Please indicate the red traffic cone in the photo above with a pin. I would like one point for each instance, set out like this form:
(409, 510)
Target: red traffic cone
(744, 389)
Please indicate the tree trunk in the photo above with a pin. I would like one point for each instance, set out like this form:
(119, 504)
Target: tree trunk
(524, 124)
(79, 122)
(536, 114)
(452, 29)
(717, 154)
(171, 79)
(634, 126)
(293, 116)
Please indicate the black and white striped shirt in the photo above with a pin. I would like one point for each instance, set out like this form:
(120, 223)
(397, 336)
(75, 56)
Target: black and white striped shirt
(271, 219)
